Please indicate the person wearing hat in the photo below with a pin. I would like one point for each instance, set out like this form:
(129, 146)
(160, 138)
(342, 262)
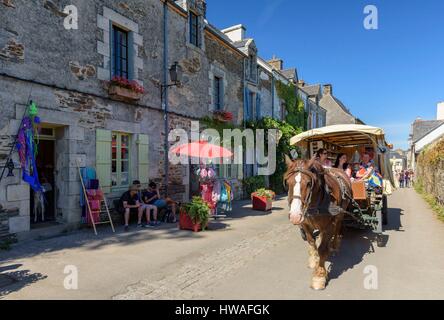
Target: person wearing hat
(131, 204)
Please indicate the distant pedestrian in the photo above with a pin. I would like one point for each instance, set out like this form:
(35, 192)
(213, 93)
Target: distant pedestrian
(407, 179)
(401, 179)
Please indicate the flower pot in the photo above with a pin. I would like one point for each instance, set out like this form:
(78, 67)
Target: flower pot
(261, 203)
(185, 222)
(123, 94)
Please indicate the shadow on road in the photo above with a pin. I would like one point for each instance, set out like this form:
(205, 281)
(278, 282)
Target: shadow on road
(357, 243)
(13, 281)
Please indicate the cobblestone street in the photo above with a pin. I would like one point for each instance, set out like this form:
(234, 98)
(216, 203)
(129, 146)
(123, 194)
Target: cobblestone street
(249, 256)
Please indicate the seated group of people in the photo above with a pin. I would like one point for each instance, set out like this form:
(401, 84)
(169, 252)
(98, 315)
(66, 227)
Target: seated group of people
(137, 200)
(367, 167)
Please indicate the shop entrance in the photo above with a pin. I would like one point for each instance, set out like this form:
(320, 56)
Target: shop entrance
(45, 162)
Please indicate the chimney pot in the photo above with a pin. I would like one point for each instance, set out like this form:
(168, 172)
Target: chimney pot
(301, 83)
(440, 111)
(328, 89)
(276, 63)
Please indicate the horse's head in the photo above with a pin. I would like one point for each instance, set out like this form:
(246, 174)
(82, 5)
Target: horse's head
(301, 184)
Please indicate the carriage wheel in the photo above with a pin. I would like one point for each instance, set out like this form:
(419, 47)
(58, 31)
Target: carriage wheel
(384, 210)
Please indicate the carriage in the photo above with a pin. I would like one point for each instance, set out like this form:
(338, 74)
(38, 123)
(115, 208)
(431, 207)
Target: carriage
(369, 207)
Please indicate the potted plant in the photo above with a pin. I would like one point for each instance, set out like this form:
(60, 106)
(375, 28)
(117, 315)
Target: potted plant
(262, 199)
(125, 90)
(194, 215)
(223, 116)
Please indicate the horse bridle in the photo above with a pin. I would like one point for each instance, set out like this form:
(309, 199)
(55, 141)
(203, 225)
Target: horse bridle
(307, 202)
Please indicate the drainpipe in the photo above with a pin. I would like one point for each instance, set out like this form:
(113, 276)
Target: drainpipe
(165, 89)
(272, 94)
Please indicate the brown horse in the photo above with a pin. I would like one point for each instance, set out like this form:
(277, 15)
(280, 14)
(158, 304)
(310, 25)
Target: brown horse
(318, 200)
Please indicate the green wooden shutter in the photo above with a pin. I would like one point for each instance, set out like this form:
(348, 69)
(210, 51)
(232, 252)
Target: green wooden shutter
(143, 160)
(103, 159)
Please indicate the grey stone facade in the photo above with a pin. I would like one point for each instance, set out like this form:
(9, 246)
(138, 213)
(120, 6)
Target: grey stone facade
(66, 71)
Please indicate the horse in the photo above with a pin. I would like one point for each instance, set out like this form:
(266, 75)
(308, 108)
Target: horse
(318, 199)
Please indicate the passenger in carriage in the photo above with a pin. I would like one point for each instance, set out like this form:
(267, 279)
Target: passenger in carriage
(341, 163)
(366, 168)
(321, 156)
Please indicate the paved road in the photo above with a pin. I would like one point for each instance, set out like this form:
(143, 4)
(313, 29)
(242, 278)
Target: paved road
(252, 256)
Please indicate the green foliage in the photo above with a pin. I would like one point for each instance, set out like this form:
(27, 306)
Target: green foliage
(297, 117)
(430, 199)
(199, 211)
(219, 126)
(262, 192)
(432, 155)
(287, 131)
(252, 184)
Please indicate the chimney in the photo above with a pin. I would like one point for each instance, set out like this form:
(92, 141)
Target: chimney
(328, 90)
(235, 33)
(440, 111)
(301, 83)
(276, 63)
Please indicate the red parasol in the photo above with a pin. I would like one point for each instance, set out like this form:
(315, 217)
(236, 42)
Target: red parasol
(203, 150)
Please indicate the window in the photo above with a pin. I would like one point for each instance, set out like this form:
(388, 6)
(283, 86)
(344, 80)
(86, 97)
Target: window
(194, 29)
(120, 53)
(218, 104)
(120, 159)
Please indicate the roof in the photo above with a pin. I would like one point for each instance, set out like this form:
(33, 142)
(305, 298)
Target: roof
(312, 90)
(330, 100)
(290, 73)
(241, 44)
(421, 128)
(348, 134)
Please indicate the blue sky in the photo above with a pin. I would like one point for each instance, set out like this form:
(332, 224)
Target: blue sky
(387, 77)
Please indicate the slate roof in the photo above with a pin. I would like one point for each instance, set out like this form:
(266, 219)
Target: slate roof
(330, 101)
(311, 90)
(241, 44)
(421, 128)
(290, 73)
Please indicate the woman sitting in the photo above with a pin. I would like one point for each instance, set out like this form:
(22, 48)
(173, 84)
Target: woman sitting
(341, 163)
(321, 157)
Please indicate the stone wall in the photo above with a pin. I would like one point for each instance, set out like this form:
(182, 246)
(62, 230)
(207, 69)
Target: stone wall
(431, 173)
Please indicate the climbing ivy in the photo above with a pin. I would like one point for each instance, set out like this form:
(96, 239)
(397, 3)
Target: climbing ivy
(296, 115)
(287, 131)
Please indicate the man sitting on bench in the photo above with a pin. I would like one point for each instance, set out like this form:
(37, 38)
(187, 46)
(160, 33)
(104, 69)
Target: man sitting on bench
(152, 197)
(131, 204)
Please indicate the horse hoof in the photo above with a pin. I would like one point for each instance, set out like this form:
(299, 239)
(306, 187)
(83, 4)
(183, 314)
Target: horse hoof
(318, 283)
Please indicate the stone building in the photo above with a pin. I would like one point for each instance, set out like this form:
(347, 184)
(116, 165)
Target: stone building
(66, 72)
(311, 96)
(337, 112)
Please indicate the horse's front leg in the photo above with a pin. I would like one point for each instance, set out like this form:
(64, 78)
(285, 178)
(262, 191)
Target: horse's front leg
(319, 280)
(313, 256)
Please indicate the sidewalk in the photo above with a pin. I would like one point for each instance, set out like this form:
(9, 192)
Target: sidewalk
(36, 268)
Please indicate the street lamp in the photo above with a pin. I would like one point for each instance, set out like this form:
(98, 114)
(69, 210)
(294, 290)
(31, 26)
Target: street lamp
(176, 80)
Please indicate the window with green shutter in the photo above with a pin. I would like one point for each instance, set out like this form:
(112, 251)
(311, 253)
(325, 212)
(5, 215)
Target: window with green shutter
(143, 158)
(103, 159)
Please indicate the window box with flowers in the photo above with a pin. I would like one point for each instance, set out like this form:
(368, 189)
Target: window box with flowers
(122, 89)
(222, 116)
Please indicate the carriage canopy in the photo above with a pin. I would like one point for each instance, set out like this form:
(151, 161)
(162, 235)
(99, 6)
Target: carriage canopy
(351, 135)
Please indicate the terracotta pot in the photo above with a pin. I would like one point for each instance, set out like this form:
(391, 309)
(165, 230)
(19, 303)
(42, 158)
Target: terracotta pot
(123, 94)
(186, 223)
(261, 203)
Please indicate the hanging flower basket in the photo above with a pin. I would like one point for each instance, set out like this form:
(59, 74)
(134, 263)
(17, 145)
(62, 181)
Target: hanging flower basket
(122, 89)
